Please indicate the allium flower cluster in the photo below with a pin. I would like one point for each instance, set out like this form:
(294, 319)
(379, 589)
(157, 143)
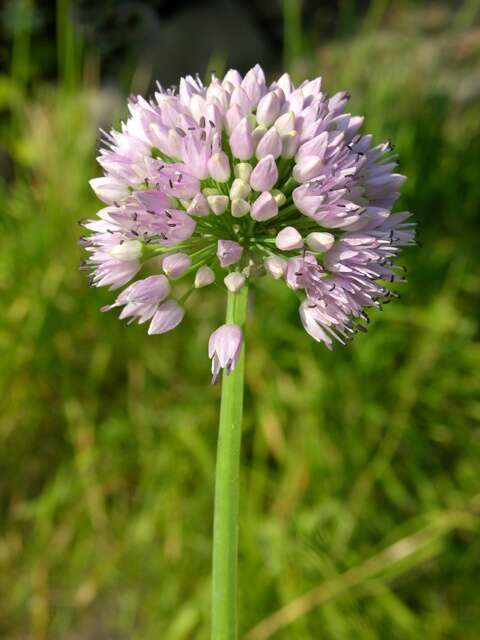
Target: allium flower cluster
(239, 179)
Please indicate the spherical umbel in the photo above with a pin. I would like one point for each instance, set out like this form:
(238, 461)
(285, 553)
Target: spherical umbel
(241, 179)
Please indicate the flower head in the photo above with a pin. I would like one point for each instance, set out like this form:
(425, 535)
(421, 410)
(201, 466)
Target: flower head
(238, 179)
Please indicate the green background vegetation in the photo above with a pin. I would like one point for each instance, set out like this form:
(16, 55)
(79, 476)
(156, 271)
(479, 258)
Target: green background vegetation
(360, 472)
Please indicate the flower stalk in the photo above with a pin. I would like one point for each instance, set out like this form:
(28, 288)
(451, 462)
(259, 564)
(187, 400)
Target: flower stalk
(225, 524)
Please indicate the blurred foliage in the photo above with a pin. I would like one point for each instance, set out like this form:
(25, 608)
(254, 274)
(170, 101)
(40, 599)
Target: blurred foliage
(360, 480)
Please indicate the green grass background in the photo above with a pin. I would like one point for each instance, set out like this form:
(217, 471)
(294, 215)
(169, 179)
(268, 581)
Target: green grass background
(360, 469)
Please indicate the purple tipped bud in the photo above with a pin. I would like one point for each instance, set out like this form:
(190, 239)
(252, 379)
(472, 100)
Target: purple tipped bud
(289, 239)
(254, 84)
(219, 167)
(204, 276)
(234, 281)
(270, 144)
(224, 348)
(176, 264)
(241, 141)
(264, 207)
(198, 206)
(166, 318)
(269, 109)
(218, 204)
(233, 77)
(228, 252)
(239, 208)
(265, 174)
(285, 83)
(320, 241)
(275, 266)
(126, 251)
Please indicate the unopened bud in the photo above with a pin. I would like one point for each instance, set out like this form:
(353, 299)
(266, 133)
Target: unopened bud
(243, 170)
(234, 281)
(320, 241)
(219, 167)
(204, 276)
(218, 204)
(275, 266)
(239, 208)
(289, 239)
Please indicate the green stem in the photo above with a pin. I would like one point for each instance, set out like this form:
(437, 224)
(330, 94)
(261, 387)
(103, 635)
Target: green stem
(225, 524)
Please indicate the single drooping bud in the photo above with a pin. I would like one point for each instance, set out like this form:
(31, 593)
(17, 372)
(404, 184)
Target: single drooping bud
(264, 207)
(204, 276)
(289, 239)
(234, 281)
(176, 264)
(224, 349)
(228, 252)
(219, 166)
(265, 174)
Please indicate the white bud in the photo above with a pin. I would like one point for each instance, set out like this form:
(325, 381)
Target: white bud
(289, 239)
(258, 133)
(234, 281)
(243, 170)
(275, 266)
(204, 276)
(218, 204)
(239, 208)
(219, 167)
(129, 250)
(286, 123)
(239, 189)
(280, 197)
(290, 144)
(320, 241)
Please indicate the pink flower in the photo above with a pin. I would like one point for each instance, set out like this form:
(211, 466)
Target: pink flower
(275, 179)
